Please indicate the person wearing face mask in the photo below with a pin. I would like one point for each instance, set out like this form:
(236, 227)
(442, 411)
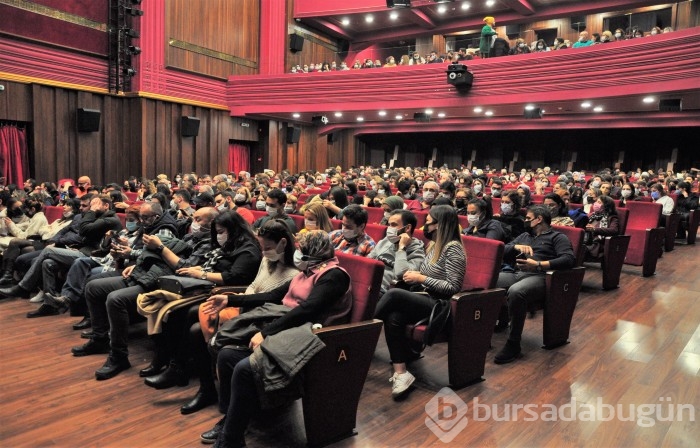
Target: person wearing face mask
(620, 34)
(336, 201)
(533, 253)
(462, 197)
(182, 207)
(478, 188)
(399, 250)
(121, 248)
(274, 206)
(425, 201)
(315, 218)
(627, 193)
(390, 204)
(440, 275)
(481, 224)
(225, 200)
(541, 46)
(591, 196)
(510, 215)
(31, 227)
(558, 210)
(603, 221)
(520, 47)
(685, 202)
(84, 183)
(319, 293)
(583, 40)
(290, 207)
(71, 208)
(352, 239)
(658, 194)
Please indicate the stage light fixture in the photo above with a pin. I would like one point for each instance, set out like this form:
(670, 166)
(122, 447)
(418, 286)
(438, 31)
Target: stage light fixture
(398, 3)
(133, 50)
(459, 76)
(535, 112)
(129, 71)
(130, 32)
(133, 12)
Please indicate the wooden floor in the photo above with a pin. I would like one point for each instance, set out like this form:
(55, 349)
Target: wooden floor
(636, 345)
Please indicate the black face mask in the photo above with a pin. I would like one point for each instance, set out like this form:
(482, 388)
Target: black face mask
(15, 213)
(362, 188)
(460, 203)
(429, 234)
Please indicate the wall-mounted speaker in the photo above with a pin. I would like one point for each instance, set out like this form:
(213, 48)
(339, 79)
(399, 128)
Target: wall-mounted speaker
(293, 134)
(296, 42)
(398, 3)
(670, 105)
(578, 23)
(512, 30)
(534, 113)
(189, 126)
(421, 117)
(332, 138)
(87, 120)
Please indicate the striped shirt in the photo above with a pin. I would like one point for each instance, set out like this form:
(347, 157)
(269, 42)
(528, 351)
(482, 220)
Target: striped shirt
(445, 277)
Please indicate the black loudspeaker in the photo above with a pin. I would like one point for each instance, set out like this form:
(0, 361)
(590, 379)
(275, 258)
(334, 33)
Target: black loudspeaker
(88, 120)
(343, 48)
(534, 113)
(578, 23)
(458, 76)
(331, 138)
(421, 117)
(296, 42)
(398, 3)
(512, 30)
(189, 126)
(293, 134)
(670, 105)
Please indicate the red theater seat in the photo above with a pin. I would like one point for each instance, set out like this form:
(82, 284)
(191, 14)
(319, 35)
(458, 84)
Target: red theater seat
(298, 221)
(374, 214)
(646, 237)
(53, 212)
(131, 196)
(334, 378)
(693, 222)
(375, 231)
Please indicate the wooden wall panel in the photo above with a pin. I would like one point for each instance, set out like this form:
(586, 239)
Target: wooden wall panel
(15, 102)
(201, 39)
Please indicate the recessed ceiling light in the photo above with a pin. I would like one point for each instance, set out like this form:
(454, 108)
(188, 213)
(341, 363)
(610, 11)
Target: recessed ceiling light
(529, 107)
(338, 114)
(441, 115)
(360, 119)
(442, 9)
(296, 115)
(394, 15)
(490, 3)
(598, 109)
(478, 110)
(399, 117)
(465, 5)
(382, 113)
(369, 18)
(488, 113)
(429, 111)
(649, 99)
(345, 22)
(586, 105)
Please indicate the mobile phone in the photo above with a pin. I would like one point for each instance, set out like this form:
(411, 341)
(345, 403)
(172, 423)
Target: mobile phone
(521, 256)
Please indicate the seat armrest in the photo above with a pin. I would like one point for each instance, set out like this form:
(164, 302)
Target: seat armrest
(229, 290)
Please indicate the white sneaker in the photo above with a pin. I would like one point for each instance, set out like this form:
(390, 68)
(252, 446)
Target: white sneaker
(39, 298)
(401, 382)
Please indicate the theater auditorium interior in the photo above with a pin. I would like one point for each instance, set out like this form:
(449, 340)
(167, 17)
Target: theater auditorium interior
(120, 89)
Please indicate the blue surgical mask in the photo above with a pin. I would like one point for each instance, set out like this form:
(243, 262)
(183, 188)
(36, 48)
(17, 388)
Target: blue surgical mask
(131, 226)
(655, 195)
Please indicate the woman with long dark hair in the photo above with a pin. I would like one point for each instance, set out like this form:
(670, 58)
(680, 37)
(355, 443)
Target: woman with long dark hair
(440, 276)
(602, 222)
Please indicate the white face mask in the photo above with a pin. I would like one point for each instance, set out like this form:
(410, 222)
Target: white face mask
(302, 264)
(626, 193)
(653, 33)
(380, 191)
(506, 208)
(428, 196)
(618, 35)
(319, 182)
(221, 238)
(310, 225)
(240, 197)
(271, 211)
(387, 215)
(288, 208)
(272, 255)
(473, 219)
(392, 234)
(260, 205)
(349, 234)
(478, 188)
(221, 207)
(195, 227)
(173, 205)
(68, 214)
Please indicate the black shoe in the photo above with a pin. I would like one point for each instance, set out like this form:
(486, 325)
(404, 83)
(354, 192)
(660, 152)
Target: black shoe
(201, 400)
(87, 334)
(112, 367)
(14, 291)
(91, 347)
(501, 327)
(83, 324)
(61, 303)
(154, 368)
(44, 310)
(213, 434)
(7, 279)
(174, 375)
(509, 353)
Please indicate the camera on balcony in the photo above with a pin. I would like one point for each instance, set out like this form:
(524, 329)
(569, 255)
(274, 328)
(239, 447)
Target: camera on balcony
(459, 76)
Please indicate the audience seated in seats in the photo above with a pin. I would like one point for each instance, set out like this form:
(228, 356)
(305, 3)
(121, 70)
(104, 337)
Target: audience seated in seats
(188, 329)
(532, 253)
(315, 218)
(352, 239)
(17, 246)
(603, 221)
(440, 276)
(481, 222)
(274, 205)
(320, 293)
(290, 207)
(430, 191)
(399, 250)
(462, 198)
(520, 47)
(225, 200)
(117, 250)
(335, 202)
(181, 205)
(627, 193)
(687, 201)
(590, 197)
(658, 194)
(31, 221)
(525, 195)
(558, 210)
(510, 215)
(389, 205)
(51, 260)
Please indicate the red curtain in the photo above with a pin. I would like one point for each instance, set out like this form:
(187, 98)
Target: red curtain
(13, 154)
(238, 158)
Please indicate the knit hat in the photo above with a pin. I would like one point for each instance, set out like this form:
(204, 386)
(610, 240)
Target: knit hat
(489, 19)
(394, 202)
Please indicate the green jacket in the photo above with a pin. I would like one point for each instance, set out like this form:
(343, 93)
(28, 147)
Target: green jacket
(485, 43)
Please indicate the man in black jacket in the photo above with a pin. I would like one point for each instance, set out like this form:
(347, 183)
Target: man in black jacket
(110, 299)
(539, 250)
(91, 229)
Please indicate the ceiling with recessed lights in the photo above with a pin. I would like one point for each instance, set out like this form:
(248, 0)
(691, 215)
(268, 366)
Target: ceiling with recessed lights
(360, 21)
